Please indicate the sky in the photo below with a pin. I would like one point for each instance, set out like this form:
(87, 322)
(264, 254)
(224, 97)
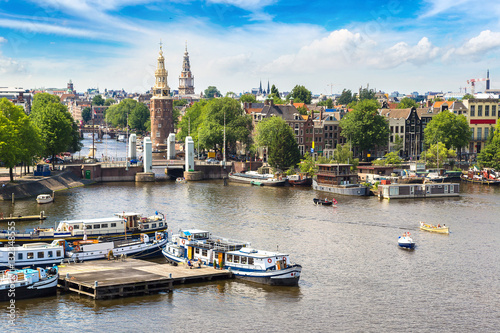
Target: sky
(326, 46)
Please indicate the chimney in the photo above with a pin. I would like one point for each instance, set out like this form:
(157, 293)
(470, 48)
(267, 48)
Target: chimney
(266, 102)
(488, 80)
(271, 102)
(321, 113)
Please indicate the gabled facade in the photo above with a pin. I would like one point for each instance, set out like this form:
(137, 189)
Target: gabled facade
(483, 115)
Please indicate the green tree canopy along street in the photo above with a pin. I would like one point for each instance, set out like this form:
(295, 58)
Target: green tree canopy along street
(138, 115)
(451, 129)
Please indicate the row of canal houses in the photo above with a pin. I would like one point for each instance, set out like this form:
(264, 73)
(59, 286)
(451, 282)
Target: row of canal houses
(321, 125)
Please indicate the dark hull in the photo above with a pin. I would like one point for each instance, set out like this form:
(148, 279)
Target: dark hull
(288, 282)
(302, 182)
(40, 289)
(322, 202)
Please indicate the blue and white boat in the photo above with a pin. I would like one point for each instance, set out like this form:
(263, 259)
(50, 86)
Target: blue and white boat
(272, 268)
(28, 283)
(138, 248)
(406, 241)
(32, 255)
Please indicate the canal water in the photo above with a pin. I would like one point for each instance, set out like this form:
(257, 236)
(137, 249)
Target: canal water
(355, 278)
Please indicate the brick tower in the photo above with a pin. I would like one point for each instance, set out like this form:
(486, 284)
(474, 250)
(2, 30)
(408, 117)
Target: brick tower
(186, 79)
(162, 122)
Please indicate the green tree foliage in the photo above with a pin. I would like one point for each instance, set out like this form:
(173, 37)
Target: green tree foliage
(489, 157)
(398, 143)
(138, 115)
(274, 92)
(437, 154)
(468, 96)
(191, 122)
(393, 158)
(343, 154)
(58, 130)
(109, 102)
(301, 95)
(407, 103)
(248, 98)
(181, 102)
(279, 138)
(449, 128)
(98, 100)
(41, 100)
(365, 93)
(211, 129)
(328, 103)
(307, 164)
(302, 110)
(364, 127)
(86, 114)
(19, 138)
(212, 92)
(346, 97)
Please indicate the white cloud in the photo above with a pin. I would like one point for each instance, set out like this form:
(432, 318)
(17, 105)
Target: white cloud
(250, 5)
(37, 27)
(484, 42)
(3, 40)
(437, 7)
(401, 53)
(10, 66)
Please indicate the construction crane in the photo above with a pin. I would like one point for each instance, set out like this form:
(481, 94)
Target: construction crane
(472, 83)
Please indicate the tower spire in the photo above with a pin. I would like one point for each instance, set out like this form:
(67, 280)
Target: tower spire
(186, 79)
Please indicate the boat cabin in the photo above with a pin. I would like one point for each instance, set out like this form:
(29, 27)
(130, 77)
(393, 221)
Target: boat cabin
(34, 254)
(336, 174)
(402, 191)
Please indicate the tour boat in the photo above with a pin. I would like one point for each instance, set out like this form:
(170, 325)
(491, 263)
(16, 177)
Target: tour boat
(272, 268)
(34, 254)
(44, 198)
(254, 178)
(138, 248)
(131, 224)
(440, 229)
(28, 283)
(406, 241)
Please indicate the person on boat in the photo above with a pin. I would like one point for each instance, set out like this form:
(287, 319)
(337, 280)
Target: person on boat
(439, 225)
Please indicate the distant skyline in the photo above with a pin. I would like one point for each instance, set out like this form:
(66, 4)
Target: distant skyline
(422, 45)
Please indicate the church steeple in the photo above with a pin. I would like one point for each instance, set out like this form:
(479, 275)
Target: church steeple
(186, 79)
(161, 88)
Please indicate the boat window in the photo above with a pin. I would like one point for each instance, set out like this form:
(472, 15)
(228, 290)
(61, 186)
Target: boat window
(30, 255)
(40, 255)
(243, 260)
(236, 259)
(204, 253)
(104, 225)
(113, 225)
(97, 226)
(250, 261)
(49, 254)
(88, 226)
(146, 226)
(160, 224)
(58, 253)
(76, 227)
(19, 256)
(229, 258)
(153, 225)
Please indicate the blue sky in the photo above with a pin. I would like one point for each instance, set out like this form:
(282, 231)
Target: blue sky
(429, 45)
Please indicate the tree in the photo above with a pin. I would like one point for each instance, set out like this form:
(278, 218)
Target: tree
(274, 92)
(98, 100)
(279, 138)
(364, 127)
(56, 127)
(301, 95)
(248, 98)
(212, 92)
(302, 110)
(345, 98)
(398, 143)
(86, 114)
(393, 158)
(365, 93)
(109, 102)
(328, 103)
(407, 103)
(489, 157)
(191, 121)
(138, 115)
(468, 96)
(19, 138)
(451, 129)
(181, 102)
(437, 154)
(343, 154)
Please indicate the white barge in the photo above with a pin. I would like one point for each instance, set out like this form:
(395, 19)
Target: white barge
(412, 191)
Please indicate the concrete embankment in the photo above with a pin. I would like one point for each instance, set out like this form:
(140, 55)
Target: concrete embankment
(29, 187)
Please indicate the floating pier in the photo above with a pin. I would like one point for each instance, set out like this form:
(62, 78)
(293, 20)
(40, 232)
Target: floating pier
(116, 278)
(20, 218)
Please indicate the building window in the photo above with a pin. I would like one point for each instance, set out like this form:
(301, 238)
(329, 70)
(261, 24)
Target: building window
(486, 110)
(485, 131)
(479, 110)
(402, 129)
(479, 133)
(392, 129)
(157, 134)
(159, 125)
(472, 133)
(472, 110)
(493, 110)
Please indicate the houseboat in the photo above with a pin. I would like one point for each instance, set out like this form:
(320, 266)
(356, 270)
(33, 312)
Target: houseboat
(485, 177)
(32, 255)
(138, 248)
(272, 268)
(254, 178)
(28, 283)
(411, 191)
(301, 179)
(130, 224)
(339, 179)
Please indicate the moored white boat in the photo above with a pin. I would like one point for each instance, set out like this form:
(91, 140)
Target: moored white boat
(256, 179)
(406, 241)
(432, 228)
(272, 268)
(28, 283)
(44, 198)
(32, 255)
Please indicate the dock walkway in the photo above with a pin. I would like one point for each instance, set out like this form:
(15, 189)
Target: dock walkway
(106, 279)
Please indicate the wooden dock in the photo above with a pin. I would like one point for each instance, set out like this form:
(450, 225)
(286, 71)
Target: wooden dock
(20, 218)
(106, 279)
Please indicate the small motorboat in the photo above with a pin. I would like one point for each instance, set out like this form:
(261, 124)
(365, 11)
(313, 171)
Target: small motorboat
(406, 241)
(440, 229)
(44, 198)
(180, 180)
(324, 202)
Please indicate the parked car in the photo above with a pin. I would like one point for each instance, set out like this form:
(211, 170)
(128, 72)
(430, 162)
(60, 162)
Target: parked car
(57, 160)
(212, 160)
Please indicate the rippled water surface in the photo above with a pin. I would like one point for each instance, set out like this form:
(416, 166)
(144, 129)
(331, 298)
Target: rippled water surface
(355, 278)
